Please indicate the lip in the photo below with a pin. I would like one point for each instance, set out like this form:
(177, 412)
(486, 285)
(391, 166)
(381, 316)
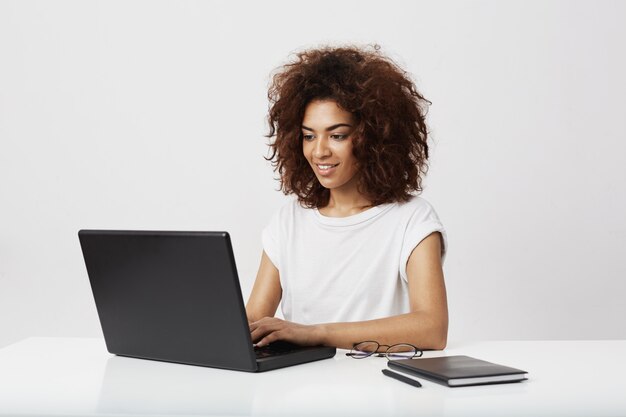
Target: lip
(326, 172)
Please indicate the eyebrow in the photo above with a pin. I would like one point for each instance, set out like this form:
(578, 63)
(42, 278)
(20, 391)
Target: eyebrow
(329, 128)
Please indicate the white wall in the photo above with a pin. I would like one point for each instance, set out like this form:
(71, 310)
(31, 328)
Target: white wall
(150, 115)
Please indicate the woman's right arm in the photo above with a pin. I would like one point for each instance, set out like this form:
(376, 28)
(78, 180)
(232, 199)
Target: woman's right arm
(266, 292)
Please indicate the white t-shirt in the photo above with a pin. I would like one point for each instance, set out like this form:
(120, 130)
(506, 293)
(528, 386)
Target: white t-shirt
(342, 269)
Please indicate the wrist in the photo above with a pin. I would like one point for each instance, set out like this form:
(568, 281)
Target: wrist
(322, 334)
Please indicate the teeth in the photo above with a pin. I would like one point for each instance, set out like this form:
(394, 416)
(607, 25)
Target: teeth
(326, 166)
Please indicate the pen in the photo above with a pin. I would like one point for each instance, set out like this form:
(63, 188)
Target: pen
(402, 378)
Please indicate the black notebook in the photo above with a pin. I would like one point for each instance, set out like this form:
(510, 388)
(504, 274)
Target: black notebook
(459, 371)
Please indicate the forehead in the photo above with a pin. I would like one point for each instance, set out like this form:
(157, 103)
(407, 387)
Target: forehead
(325, 113)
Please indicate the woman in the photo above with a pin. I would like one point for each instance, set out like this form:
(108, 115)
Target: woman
(356, 256)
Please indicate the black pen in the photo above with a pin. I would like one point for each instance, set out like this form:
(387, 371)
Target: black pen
(402, 378)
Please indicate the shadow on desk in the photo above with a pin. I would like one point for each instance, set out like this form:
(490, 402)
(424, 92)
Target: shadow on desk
(137, 386)
(140, 386)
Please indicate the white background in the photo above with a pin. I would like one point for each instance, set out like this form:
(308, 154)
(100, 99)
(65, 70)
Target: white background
(151, 115)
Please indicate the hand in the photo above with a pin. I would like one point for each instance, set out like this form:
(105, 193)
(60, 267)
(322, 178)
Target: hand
(271, 329)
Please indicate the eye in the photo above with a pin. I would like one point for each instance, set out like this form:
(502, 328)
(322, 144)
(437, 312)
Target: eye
(338, 136)
(307, 137)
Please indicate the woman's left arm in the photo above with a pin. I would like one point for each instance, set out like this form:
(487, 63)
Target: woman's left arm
(426, 326)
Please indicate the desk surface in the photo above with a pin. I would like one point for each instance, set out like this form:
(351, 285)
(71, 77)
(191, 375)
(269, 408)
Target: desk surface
(77, 376)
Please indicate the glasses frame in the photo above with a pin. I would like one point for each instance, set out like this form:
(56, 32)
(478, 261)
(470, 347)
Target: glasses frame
(417, 354)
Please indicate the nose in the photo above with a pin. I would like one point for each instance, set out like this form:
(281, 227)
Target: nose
(321, 148)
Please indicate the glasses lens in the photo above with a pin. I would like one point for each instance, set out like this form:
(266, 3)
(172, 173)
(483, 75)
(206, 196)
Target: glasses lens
(403, 351)
(364, 349)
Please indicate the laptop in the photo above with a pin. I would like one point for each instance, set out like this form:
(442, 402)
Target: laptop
(175, 296)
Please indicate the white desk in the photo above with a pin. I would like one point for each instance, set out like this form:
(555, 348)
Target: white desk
(77, 376)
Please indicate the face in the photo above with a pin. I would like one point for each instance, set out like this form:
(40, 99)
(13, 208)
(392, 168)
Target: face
(327, 144)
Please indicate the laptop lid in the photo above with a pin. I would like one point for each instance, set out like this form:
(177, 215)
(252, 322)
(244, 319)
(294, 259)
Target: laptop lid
(171, 296)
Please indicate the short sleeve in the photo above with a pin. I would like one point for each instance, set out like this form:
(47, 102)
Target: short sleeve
(270, 238)
(422, 223)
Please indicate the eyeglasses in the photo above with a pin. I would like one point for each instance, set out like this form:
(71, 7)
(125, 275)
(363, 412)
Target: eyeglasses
(398, 351)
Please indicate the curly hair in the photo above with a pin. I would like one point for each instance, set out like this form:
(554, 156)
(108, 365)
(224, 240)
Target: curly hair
(390, 142)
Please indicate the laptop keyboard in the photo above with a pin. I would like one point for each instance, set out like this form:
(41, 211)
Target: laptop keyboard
(275, 349)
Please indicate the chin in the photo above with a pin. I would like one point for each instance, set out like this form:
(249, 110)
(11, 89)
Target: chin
(327, 184)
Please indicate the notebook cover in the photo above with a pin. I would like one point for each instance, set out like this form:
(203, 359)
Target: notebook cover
(445, 368)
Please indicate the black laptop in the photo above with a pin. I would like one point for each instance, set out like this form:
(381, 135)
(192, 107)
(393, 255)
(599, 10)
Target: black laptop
(175, 296)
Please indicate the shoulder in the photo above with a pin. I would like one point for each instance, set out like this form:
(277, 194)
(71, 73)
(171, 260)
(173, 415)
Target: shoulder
(290, 208)
(417, 201)
(419, 218)
(420, 221)
(417, 207)
(288, 213)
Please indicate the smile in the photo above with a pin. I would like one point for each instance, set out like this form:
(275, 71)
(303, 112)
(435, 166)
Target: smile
(326, 166)
(326, 169)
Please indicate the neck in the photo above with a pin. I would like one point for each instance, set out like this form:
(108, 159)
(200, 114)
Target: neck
(346, 201)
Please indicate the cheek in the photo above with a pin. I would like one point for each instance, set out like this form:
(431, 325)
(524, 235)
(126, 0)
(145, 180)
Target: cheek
(348, 157)
(343, 150)
(354, 167)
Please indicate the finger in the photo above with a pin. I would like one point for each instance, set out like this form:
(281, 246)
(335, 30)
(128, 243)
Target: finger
(265, 328)
(270, 338)
(255, 324)
(262, 331)
(268, 327)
